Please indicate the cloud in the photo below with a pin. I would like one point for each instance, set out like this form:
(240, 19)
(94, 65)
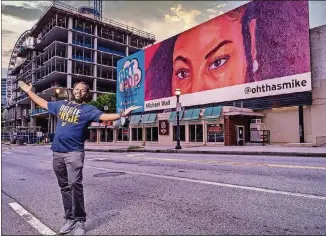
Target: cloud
(6, 52)
(211, 10)
(168, 24)
(22, 12)
(214, 12)
(188, 18)
(5, 32)
(11, 31)
(215, 15)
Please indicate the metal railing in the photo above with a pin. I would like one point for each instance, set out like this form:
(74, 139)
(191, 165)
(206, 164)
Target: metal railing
(38, 111)
(103, 20)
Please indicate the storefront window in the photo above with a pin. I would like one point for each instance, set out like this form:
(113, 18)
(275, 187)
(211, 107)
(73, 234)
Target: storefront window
(92, 135)
(152, 134)
(106, 135)
(182, 133)
(123, 134)
(215, 133)
(137, 134)
(195, 133)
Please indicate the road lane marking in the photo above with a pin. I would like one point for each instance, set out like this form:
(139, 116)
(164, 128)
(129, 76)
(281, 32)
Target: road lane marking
(32, 220)
(217, 184)
(218, 162)
(206, 182)
(137, 154)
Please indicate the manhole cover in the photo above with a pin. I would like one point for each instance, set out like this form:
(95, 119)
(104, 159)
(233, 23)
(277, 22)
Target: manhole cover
(109, 174)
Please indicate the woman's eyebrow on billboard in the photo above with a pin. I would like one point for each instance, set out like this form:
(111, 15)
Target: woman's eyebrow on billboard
(217, 48)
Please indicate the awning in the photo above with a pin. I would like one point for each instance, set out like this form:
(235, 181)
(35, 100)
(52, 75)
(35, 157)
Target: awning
(134, 120)
(148, 118)
(173, 116)
(212, 112)
(191, 114)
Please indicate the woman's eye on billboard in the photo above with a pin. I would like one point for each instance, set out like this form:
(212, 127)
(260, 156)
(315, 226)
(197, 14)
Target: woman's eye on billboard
(218, 63)
(182, 74)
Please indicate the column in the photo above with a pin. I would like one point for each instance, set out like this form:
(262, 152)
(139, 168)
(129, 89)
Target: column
(114, 135)
(95, 65)
(127, 47)
(204, 132)
(33, 119)
(186, 132)
(69, 66)
(301, 124)
(98, 136)
(143, 129)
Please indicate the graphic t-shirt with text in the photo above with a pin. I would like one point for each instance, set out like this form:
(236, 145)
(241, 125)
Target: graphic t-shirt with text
(73, 121)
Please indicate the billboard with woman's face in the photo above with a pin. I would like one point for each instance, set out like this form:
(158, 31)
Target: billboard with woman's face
(257, 50)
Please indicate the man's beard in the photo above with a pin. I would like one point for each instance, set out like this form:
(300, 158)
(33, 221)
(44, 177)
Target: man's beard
(79, 100)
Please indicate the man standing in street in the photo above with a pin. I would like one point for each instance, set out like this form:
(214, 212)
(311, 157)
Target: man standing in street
(68, 148)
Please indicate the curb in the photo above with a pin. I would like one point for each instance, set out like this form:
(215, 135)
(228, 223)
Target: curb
(301, 154)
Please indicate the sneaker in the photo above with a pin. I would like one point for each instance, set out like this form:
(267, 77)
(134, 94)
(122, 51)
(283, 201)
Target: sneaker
(67, 227)
(80, 228)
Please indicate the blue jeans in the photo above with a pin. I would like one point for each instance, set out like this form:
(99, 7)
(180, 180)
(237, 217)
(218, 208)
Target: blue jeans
(68, 168)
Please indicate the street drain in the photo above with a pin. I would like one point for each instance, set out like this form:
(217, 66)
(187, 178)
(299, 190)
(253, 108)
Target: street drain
(109, 174)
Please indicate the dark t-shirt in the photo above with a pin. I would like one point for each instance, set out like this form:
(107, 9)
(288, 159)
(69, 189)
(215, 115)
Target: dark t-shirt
(73, 120)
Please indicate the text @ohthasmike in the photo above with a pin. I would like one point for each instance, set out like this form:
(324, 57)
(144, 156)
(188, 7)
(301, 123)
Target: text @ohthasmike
(276, 87)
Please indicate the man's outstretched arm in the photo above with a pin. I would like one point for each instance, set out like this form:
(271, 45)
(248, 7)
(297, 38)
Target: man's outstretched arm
(112, 117)
(37, 99)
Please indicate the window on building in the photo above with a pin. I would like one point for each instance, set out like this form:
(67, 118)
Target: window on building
(106, 135)
(152, 134)
(137, 134)
(215, 133)
(195, 133)
(92, 135)
(123, 134)
(182, 133)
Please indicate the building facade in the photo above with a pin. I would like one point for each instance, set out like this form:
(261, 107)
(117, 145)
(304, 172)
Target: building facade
(3, 91)
(284, 103)
(66, 46)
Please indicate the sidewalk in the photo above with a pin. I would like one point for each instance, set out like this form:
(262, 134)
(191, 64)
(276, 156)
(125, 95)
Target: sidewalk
(270, 150)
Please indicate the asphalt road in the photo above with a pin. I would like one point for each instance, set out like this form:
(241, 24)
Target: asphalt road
(169, 194)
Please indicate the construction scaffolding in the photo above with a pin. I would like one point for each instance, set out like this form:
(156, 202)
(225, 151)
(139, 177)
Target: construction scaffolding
(83, 26)
(111, 34)
(57, 20)
(83, 40)
(82, 68)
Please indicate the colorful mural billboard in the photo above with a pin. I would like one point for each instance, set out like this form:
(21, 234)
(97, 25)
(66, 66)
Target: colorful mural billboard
(260, 49)
(130, 82)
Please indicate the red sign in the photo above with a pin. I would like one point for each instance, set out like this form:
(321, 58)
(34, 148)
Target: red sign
(214, 128)
(163, 127)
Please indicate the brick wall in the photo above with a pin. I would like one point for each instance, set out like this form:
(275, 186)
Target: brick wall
(230, 123)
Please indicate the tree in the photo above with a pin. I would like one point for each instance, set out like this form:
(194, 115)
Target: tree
(105, 100)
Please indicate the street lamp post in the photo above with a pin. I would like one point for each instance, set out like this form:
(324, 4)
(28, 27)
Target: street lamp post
(178, 108)
(106, 108)
(56, 98)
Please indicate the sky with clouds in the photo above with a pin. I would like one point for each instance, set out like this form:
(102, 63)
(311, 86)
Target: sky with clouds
(162, 18)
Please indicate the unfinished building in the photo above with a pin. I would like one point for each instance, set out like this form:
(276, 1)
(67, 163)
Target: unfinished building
(66, 46)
